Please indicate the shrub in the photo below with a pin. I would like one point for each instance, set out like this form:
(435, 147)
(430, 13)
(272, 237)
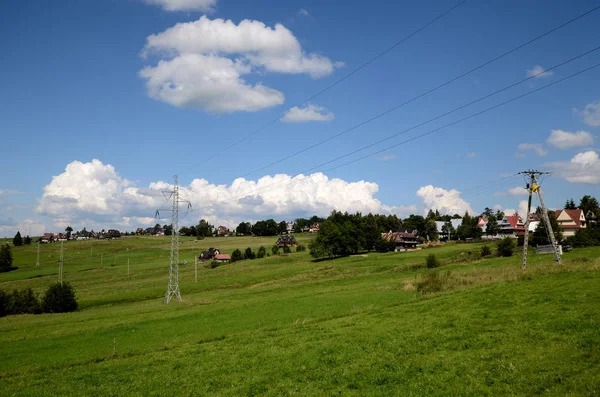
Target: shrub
(275, 250)
(286, 249)
(4, 303)
(506, 247)
(236, 256)
(5, 258)
(262, 251)
(486, 251)
(300, 248)
(59, 298)
(214, 264)
(432, 281)
(432, 261)
(249, 254)
(24, 302)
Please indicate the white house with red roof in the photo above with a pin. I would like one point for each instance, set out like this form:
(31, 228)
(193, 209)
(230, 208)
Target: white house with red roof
(512, 226)
(570, 221)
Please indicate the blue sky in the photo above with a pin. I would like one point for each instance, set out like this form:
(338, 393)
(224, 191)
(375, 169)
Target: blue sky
(74, 91)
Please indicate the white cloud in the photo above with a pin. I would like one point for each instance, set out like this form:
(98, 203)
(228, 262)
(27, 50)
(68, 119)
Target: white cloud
(28, 227)
(471, 155)
(565, 140)
(209, 82)
(522, 211)
(308, 113)
(583, 168)
(590, 114)
(445, 201)
(93, 194)
(537, 147)
(538, 72)
(514, 191)
(388, 157)
(303, 12)
(184, 5)
(202, 62)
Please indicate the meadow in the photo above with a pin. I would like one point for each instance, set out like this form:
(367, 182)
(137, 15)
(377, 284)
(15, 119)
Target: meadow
(288, 325)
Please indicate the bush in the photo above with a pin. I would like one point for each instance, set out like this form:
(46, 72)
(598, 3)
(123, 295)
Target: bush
(236, 256)
(432, 261)
(24, 302)
(5, 258)
(262, 251)
(433, 281)
(506, 247)
(249, 254)
(214, 264)
(286, 249)
(275, 250)
(300, 248)
(4, 303)
(486, 251)
(59, 298)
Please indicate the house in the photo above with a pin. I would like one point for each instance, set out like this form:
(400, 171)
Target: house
(405, 239)
(441, 229)
(112, 233)
(223, 258)
(482, 223)
(570, 221)
(209, 254)
(222, 231)
(290, 227)
(591, 218)
(511, 226)
(62, 237)
(314, 228)
(286, 241)
(47, 238)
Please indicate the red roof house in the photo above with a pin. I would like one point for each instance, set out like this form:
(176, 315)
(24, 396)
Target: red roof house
(223, 258)
(570, 221)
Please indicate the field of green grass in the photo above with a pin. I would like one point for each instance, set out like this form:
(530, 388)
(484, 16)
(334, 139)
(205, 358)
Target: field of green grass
(287, 325)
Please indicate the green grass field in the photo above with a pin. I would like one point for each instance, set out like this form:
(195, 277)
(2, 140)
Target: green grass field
(287, 325)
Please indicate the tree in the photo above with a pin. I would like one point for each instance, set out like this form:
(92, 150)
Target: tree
(371, 231)
(492, 228)
(430, 215)
(168, 230)
(488, 212)
(69, 230)
(570, 205)
(27, 240)
(184, 231)
(499, 215)
(24, 302)
(431, 231)
(540, 235)
(18, 240)
(589, 203)
(249, 254)
(262, 252)
(204, 228)
(236, 256)
(6, 259)
(282, 227)
(300, 224)
(416, 222)
(448, 230)
(287, 249)
(275, 250)
(59, 298)
(244, 229)
(506, 247)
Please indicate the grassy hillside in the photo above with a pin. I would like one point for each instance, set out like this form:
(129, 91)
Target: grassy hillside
(286, 325)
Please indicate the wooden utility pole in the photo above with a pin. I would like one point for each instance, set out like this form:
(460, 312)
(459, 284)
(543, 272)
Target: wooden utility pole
(534, 187)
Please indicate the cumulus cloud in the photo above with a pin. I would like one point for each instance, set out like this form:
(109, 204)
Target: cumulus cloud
(94, 194)
(522, 211)
(538, 72)
(514, 191)
(202, 63)
(28, 227)
(308, 113)
(184, 5)
(590, 114)
(564, 140)
(537, 147)
(583, 168)
(8, 192)
(445, 201)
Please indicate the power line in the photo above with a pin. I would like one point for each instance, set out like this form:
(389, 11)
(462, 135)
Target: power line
(421, 135)
(338, 81)
(423, 94)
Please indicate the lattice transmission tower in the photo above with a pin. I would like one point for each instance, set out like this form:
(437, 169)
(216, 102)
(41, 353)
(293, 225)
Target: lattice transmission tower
(533, 186)
(173, 287)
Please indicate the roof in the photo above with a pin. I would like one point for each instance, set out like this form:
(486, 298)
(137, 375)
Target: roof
(483, 220)
(514, 221)
(575, 216)
(223, 257)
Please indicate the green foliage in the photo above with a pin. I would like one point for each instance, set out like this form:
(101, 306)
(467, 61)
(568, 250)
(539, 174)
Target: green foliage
(492, 228)
(236, 255)
(300, 248)
(432, 281)
(282, 227)
(265, 228)
(6, 259)
(589, 204)
(214, 264)
(383, 245)
(262, 252)
(486, 251)
(59, 298)
(27, 240)
(506, 247)
(203, 229)
(275, 250)
(24, 302)
(587, 237)
(431, 233)
(18, 240)
(287, 249)
(244, 229)
(69, 230)
(4, 303)
(432, 261)
(468, 228)
(570, 205)
(249, 254)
